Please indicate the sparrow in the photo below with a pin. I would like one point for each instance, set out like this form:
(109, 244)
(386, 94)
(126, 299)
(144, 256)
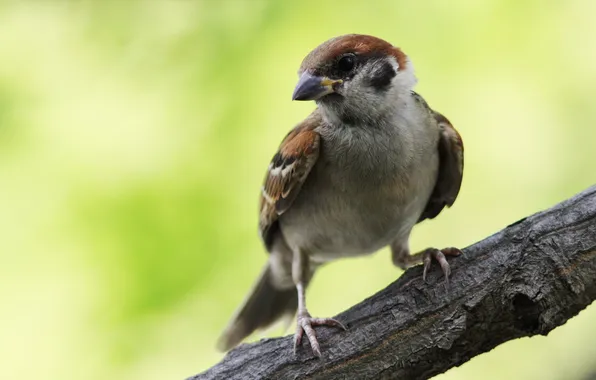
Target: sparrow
(370, 162)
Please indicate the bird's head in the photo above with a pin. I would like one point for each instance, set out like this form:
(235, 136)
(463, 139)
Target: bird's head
(355, 77)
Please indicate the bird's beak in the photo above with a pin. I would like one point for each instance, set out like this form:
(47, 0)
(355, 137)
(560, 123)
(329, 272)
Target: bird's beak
(312, 87)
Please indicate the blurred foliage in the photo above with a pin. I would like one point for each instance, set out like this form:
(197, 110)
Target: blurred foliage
(134, 136)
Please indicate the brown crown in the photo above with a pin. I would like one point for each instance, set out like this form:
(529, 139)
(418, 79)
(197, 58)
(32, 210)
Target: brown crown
(351, 43)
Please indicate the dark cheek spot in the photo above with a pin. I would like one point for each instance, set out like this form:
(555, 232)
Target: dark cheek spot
(382, 76)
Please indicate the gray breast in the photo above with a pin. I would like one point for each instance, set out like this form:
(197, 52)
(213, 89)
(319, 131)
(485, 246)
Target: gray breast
(367, 188)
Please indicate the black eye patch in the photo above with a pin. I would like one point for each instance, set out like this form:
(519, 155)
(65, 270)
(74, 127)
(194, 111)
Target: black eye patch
(343, 67)
(381, 77)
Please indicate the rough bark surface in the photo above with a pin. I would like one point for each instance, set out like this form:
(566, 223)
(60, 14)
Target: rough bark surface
(524, 280)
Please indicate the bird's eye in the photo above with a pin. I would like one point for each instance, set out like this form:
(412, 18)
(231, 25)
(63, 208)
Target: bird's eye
(346, 63)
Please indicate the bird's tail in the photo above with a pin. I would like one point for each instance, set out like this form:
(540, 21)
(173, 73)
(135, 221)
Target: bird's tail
(264, 305)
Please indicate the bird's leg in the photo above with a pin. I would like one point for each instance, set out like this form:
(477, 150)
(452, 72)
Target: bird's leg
(400, 255)
(304, 322)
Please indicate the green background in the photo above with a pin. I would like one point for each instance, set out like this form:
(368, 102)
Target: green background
(134, 136)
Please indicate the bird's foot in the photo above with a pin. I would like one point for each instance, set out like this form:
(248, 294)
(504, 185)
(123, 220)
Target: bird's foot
(305, 325)
(440, 256)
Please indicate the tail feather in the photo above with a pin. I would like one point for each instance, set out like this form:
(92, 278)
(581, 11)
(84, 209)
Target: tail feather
(265, 305)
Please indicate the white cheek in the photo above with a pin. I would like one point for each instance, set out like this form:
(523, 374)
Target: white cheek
(405, 78)
(394, 63)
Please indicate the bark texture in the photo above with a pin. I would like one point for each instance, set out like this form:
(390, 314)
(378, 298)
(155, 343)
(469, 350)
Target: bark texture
(524, 280)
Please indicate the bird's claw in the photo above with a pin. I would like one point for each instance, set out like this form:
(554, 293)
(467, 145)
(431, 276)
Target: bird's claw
(305, 325)
(439, 256)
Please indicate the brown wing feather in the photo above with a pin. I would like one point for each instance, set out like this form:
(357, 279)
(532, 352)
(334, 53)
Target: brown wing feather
(287, 172)
(451, 169)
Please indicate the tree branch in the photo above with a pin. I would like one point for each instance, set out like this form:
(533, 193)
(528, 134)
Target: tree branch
(525, 280)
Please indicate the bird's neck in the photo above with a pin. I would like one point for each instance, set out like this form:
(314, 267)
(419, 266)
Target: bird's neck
(360, 114)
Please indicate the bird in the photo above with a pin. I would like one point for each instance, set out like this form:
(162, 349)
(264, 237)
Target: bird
(370, 162)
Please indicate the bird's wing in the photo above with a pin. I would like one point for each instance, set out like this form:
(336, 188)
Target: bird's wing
(287, 172)
(451, 169)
